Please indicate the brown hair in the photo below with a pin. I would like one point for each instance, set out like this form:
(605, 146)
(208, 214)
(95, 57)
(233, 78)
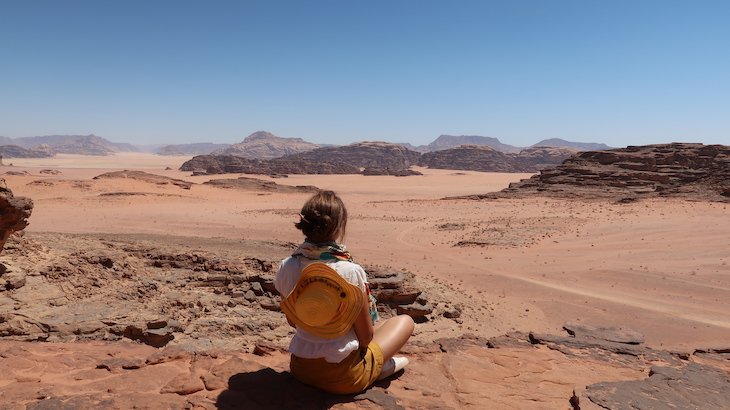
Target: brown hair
(323, 217)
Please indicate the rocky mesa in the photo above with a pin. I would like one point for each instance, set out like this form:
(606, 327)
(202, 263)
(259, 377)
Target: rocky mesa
(348, 159)
(487, 159)
(692, 171)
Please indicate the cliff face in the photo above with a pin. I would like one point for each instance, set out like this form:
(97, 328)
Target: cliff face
(364, 154)
(328, 160)
(14, 212)
(536, 158)
(230, 164)
(381, 158)
(470, 158)
(483, 158)
(693, 171)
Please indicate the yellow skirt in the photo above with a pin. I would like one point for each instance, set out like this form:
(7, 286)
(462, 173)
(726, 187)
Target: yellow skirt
(352, 375)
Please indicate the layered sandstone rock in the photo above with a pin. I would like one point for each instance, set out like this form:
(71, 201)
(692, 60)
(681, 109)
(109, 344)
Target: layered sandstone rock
(90, 288)
(231, 164)
(693, 171)
(364, 154)
(347, 159)
(470, 158)
(534, 159)
(397, 293)
(14, 212)
(487, 159)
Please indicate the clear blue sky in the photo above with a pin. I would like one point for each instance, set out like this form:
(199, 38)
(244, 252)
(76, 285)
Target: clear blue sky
(619, 72)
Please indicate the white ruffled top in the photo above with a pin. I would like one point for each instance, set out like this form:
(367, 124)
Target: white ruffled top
(305, 344)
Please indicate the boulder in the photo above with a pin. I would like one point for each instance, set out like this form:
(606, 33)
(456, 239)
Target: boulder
(14, 212)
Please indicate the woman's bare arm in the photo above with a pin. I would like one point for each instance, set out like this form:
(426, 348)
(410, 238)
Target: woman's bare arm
(364, 325)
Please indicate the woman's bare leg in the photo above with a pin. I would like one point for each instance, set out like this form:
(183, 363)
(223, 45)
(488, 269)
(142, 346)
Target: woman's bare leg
(391, 336)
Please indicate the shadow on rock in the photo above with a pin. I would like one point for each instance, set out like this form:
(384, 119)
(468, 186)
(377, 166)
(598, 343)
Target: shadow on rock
(269, 389)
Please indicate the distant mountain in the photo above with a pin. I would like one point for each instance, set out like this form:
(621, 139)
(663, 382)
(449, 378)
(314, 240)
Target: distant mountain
(14, 151)
(265, 145)
(582, 146)
(6, 141)
(76, 144)
(453, 141)
(200, 148)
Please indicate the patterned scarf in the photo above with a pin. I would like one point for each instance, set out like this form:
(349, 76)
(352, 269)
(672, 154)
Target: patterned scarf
(323, 251)
(329, 251)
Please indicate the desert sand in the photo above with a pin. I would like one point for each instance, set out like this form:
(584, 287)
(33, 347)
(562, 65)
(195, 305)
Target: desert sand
(509, 266)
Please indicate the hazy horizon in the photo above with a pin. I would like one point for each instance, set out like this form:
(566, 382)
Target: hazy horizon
(160, 144)
(332, 72)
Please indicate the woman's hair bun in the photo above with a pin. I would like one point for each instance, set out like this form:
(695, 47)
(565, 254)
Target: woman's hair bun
(323, 217)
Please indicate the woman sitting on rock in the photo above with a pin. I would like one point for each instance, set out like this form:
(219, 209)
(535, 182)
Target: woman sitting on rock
(326, 297)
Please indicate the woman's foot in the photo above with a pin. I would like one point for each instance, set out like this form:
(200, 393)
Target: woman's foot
(392, 366)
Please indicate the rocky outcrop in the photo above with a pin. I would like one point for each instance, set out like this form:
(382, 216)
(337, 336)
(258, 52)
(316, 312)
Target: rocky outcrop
(97, 288)
(364, 154)
(14, 212)
(674, 379)
(14, 151)
(230, 164)
(372, 171)
(691, 171)
(145, 177)
(483, 158)
(347, 159)
(265, 145)
(254, 184)
(534, 159)
(470, 158)
(693, 386)
(87, 289)
(397, 293)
